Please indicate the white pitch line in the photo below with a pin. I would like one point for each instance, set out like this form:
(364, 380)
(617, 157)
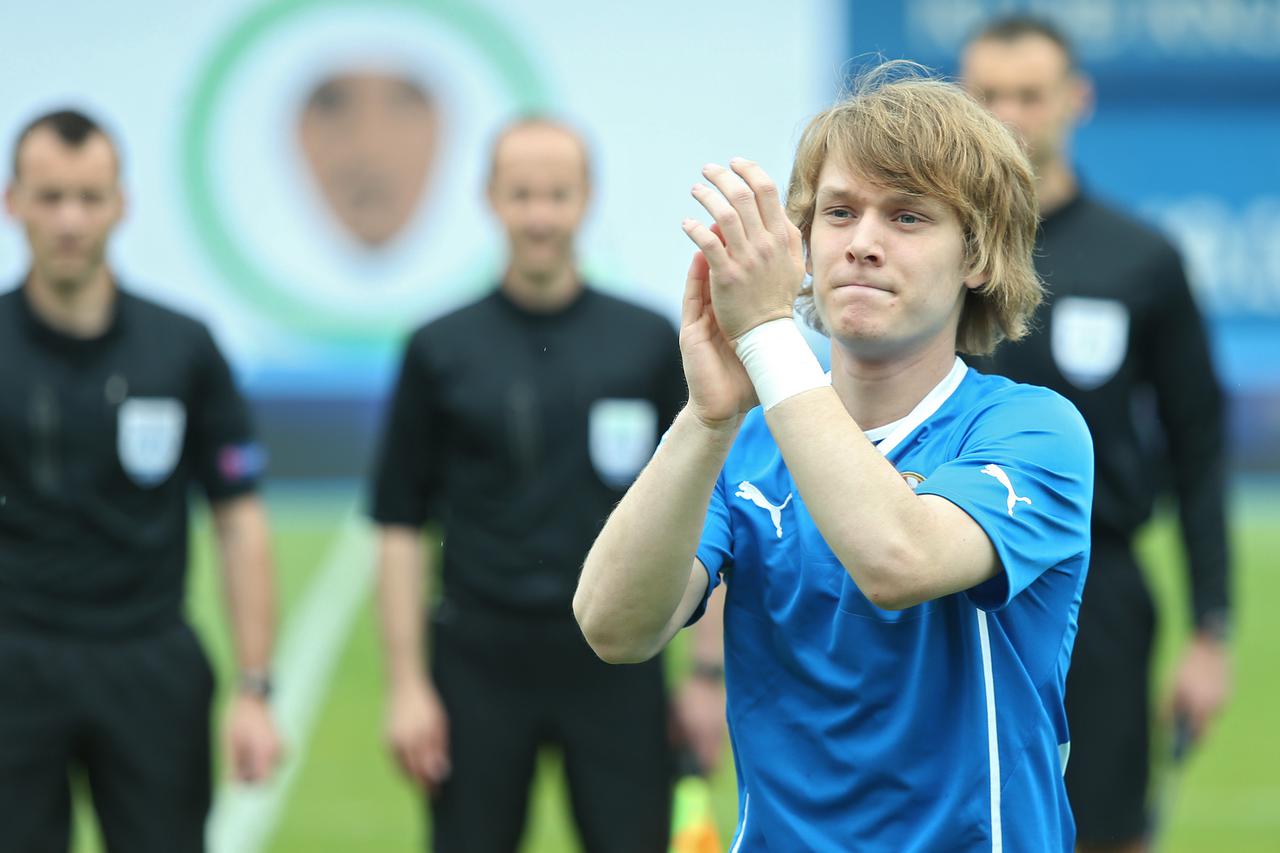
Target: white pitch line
(243, 816)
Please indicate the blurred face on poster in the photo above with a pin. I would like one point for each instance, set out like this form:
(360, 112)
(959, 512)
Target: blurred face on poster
(1027, 83)
(68, 201)
(539, 190)
(370, 140)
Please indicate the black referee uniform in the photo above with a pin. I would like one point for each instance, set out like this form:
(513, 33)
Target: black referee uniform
(1120, 336)
(100, 440)
(518, 432)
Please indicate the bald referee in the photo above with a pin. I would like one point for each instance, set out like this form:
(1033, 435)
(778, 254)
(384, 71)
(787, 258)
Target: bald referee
(516, 424)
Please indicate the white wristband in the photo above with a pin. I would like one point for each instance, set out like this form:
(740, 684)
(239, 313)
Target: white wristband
(779, 362)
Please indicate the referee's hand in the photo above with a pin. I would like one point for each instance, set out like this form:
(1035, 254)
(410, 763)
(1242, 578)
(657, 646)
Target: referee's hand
(1201, 685)
(418, 733)
(701, 727)
(253, 742)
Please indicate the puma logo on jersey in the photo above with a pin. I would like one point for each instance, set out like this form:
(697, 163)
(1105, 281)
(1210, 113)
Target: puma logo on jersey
(750, 492)
(998, 472)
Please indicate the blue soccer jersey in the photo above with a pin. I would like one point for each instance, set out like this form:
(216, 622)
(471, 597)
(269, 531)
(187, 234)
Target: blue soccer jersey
(938, 727)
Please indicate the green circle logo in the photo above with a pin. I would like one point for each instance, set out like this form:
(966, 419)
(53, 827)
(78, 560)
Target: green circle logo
(509, 61)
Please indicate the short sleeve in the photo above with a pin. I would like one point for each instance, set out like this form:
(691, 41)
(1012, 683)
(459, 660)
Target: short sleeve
(1024, 473)
(227, 460)
(715, 549)
(403, 477)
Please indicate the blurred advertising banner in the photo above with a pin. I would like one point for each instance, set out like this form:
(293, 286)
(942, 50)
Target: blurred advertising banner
(307, 176)
(1187, 114)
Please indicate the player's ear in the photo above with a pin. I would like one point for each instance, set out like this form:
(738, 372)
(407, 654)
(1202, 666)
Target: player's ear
(122, 204)
(587, 197)
(1082, 98)
(973, 277)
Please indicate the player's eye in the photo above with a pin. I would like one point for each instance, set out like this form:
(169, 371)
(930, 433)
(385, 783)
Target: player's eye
(908, 219)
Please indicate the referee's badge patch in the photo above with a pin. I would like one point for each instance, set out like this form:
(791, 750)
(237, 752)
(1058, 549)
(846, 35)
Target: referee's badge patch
(1089, 339)
(622, 435)
(149, 437)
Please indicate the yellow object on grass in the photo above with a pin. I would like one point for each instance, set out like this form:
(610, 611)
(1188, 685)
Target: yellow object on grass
(693, 823)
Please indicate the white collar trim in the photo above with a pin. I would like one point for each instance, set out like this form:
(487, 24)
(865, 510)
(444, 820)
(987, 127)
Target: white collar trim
(891, 435)
(880, 433)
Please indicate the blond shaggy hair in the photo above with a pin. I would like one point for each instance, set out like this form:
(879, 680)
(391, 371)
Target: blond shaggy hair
(909, 132)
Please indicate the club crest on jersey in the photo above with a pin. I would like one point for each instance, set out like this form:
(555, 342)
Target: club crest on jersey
(1014, 498)
(748, 491)
(621, 436)
(1089, 339)
(913, 479)
(149, 438)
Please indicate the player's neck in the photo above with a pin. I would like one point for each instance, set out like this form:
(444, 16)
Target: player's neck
(1055, 185)
(80, 309)
(542, 292)
(878, 392)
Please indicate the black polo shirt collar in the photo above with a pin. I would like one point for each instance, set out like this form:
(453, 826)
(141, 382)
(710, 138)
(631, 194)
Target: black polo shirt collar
(46, 335)
(570, 308)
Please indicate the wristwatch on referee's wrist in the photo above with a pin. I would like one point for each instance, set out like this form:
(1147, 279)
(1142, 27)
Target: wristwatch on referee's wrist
(256, 683)
(707, 671)
(1215, 625)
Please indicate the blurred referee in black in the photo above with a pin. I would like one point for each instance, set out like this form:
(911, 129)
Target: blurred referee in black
(1121, 337)
(111, 408)
(517, 424)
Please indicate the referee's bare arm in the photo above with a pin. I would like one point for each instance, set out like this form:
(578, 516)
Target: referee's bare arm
(417, 725)
(242, 534)
(243, 540)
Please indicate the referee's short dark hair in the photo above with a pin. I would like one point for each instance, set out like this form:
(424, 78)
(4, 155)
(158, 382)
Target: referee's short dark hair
(73, 127)
(1008, 28)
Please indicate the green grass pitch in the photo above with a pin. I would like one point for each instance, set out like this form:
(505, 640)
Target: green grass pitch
(347, 795)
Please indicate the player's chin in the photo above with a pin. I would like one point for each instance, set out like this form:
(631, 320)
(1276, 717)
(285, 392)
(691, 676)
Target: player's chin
(852, 323)
(865, 340)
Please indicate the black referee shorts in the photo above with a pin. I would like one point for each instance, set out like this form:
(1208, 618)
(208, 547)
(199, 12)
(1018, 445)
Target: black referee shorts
(511, 685)
(1108, 699)
(133, 713)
